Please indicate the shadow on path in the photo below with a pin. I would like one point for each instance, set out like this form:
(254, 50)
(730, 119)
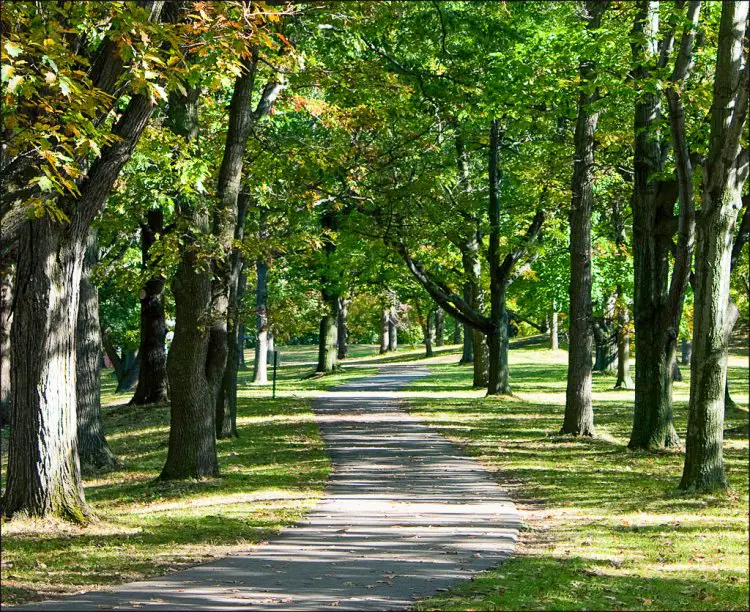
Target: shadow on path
(404, 514)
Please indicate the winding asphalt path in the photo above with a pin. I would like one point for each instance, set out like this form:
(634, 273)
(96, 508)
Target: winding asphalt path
(405, 515)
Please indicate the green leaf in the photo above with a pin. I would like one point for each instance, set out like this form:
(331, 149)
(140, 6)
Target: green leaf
(13, 49)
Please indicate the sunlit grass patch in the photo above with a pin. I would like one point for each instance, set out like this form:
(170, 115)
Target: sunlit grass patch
(271, 476)
(605, 527)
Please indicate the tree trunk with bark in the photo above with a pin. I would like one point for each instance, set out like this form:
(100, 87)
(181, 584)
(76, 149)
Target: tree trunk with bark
(457, 335)
(224, 221)
(384, 330)
(130, 368)
(392, 329)
(724, 175)
(192, 435)
(605, 340)
(342, 338)
(554, 339)
(579, 413)
(428, 327)
(685, 351)
(152, 376)
(6, 320)
(241, 341)
(93, 450)
(327, 340)
(658, 301)
(226, 402)
(439, 327)
(43, 465)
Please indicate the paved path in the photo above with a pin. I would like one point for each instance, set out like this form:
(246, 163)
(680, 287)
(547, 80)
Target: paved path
(405, 514)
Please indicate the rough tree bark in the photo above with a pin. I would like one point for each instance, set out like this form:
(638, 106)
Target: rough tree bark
(439, 327)
(457, 335)
(192, 443)
(329, 291)
(226, 402)
(579, 413)
(392, 329)
(6, 321)
(384, 332)
(327, 345)
(152, 376)
(260, 374)
(224, 221)
(500, 273)
(554, 339)
(43, 466)
(93, 450)
(343, 330)
(658, 300)
(724, 175)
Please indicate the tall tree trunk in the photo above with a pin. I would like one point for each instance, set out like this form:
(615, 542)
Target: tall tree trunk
(467, 356)
(93, 450)
(392, 329)
(241, 340)
(427, 330)
(554, 340)
(658, 302)
(152, 377)
(497, 338)
(457, 335)
(43, 466)
(131, 367)
(624, 381)
(192, 441)
(327, 340)
(686, 350)
(605, 339)
(224, 220)
(724, 175)
(497, 341)
(6, 321)
(226, 403)
(384, 330)
(439, 327)
(480, 350)
(343, 331)
(579, 414)
(192, 434)
(260, 374)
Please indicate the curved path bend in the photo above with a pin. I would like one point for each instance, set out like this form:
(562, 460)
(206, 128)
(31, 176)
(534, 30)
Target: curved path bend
(405, 514)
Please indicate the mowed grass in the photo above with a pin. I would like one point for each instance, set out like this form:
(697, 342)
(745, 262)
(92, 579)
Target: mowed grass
(606, 528)
(270, 477)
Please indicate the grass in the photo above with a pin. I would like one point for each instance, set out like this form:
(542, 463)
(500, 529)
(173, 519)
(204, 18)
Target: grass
(271, 477)
(605, 527)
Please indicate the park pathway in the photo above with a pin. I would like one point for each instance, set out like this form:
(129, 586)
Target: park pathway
(405, 515)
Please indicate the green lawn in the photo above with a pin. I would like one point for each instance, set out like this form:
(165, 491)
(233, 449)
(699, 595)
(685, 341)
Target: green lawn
(271, 477)
(605, 527)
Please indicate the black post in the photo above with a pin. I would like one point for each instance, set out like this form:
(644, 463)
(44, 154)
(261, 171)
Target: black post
(275, 365)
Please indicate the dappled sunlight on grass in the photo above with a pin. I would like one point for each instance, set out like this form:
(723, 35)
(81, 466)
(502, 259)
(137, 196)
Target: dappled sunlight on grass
(271, 476)
(606, 527)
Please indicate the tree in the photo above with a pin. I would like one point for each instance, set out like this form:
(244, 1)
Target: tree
(43, 466)
(657, 300)
(724, 174)
(152, 377)
(579, 414)
(93, 450)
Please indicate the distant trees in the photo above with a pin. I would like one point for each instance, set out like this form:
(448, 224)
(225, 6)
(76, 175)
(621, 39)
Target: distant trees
(240, 164)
